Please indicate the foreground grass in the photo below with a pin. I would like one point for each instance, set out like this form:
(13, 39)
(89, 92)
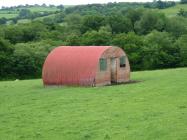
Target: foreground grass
(155, 108)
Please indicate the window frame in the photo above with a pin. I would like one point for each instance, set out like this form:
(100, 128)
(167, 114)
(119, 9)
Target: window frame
(103, 64)
(122, 61)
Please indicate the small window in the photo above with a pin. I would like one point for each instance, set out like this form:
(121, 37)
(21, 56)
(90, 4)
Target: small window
(103, 64)
(122, 61)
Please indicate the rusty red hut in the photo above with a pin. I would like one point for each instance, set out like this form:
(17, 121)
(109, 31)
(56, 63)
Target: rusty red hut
(86, 66)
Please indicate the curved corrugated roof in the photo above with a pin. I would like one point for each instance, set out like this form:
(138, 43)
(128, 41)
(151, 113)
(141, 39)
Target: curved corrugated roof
(67, 65)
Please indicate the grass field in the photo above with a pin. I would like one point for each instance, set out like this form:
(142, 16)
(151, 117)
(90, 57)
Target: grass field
(43, 9)
(7, 15)
(155, 108)
(172, 11)
(11, 14)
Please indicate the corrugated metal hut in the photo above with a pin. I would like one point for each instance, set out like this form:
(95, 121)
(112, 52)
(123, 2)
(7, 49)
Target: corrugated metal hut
(86, 66)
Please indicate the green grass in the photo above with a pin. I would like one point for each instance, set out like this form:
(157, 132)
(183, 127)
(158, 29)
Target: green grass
(8, 16)
(24, 21)
(155, 108)
(172, 11)
(11, 14)
(43, 9)
(49, 16)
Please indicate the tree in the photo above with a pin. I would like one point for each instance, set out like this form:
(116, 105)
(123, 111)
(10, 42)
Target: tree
(150, 21)
(15, 20)
(13, 34)
(176, 26)
(160, 51)
(25, 13)
(28, 58)
(5, 52)
(73, 40)
(49, 21)
(73, 23)
(24, 32)
(182, 13)
(133, 46)
(160, 4)
(183, 1)
(61, 7)
(100, 38)
(120, 24)
(44, 5)
(59, 18)
(3, 20)
(134, 15)
(182, 44)
(92, 22)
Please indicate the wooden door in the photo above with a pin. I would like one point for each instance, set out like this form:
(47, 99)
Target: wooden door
(113, 66)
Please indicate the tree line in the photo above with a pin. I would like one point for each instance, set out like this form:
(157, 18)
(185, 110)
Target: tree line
(151, 40)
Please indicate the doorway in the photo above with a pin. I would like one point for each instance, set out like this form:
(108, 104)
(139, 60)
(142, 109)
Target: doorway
(113, 67)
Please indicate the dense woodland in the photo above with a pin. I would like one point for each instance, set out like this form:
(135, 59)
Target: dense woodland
(151, 39)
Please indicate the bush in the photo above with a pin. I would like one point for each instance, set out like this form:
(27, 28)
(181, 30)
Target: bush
(133, 46)
(28, 58)
(100, 38)
(160, 51)
(181, 43)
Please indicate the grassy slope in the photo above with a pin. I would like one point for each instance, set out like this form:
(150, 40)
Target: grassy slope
(172, 11)
(10, 14)
(153, 109)
(43, 9)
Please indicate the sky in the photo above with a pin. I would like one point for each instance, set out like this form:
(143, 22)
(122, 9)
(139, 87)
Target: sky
(58, 2)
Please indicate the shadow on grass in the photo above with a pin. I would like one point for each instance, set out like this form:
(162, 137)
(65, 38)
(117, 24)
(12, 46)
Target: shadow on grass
(125, 83)
(65, 86)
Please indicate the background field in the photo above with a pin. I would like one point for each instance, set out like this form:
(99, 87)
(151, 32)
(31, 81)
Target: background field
(11, 14)
(155, 108)
(43, 9)
(172, 11)
(8, 16)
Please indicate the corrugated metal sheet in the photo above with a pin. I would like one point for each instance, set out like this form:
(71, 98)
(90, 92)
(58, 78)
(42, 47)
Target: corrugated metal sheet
(72, 65)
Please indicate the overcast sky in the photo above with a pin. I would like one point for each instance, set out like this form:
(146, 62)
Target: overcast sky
(57, 2)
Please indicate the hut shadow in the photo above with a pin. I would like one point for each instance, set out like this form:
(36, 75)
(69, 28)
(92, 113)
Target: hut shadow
(125, 83)
(78, 86)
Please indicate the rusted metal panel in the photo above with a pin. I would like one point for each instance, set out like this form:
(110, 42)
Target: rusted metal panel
(116, 74)
(72, 65)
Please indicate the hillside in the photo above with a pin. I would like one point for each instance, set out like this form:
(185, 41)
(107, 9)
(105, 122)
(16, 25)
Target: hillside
(154, 108)
(11, 13)
(14, 12)
(172, 11)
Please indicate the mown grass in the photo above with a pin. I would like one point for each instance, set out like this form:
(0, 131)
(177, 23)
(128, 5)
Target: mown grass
(155, 108)
(172, 11)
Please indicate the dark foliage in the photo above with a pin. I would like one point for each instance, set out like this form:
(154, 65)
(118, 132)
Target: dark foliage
(160, 4)
(183, 1)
